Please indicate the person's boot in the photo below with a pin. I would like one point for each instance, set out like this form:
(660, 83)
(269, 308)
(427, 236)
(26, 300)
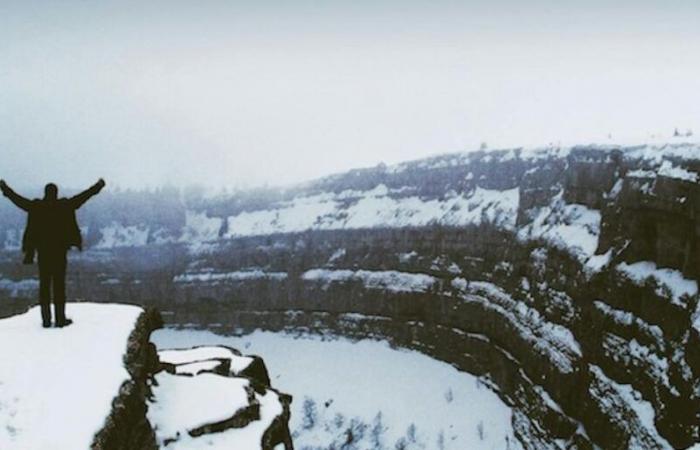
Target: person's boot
(60, 313)
(45, 314)
(63, 323)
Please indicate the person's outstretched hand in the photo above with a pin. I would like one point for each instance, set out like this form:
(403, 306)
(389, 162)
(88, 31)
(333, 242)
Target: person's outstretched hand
(3, 186)
(101, 183)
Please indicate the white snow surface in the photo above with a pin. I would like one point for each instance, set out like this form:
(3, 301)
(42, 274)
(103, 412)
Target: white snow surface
(57, 384)
(246, 438)
(350, 381)
(671, 278)
(597, 262)
(389, 280)
(189, 355)
(186, 403)
(378, 207)
(195, 368)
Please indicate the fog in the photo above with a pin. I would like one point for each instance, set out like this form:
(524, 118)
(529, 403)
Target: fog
(250, 93)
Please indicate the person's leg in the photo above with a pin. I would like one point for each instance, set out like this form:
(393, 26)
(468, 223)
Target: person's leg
(59, 287)
(29, 256)
(45, 288)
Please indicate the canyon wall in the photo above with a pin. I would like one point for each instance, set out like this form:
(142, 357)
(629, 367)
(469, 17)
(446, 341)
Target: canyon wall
(565, 276)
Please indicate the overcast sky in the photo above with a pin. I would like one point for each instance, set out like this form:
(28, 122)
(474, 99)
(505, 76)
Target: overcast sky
(244, 93)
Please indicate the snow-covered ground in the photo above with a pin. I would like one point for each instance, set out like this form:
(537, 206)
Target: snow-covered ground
(185, 403)
(378, 207)
(57, 384)
(384, 396)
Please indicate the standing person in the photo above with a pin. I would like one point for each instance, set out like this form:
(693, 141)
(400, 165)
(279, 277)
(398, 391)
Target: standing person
(51, 230)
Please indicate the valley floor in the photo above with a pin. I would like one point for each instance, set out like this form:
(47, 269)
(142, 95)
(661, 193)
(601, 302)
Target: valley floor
(368, 394)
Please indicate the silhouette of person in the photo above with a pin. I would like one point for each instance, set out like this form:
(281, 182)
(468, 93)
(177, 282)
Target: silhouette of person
(51, 230)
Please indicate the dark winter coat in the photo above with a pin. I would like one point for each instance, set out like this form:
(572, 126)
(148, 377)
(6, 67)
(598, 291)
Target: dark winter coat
(52, 224)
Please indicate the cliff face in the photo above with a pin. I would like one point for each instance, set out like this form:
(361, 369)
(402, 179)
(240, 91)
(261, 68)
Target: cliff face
(126, 426)
(566, 276)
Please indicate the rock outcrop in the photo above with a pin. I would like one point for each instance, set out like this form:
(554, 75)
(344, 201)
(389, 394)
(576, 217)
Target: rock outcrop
(216, 397)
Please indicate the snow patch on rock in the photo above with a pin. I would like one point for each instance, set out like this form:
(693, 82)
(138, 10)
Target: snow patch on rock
(571, 227)
(199, 354)
(553, 340)
(672, 279)
(389, 280)
(239, 275)
(117, 235)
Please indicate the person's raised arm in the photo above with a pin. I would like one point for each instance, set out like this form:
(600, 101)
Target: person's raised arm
(78, 200)
(18, 200)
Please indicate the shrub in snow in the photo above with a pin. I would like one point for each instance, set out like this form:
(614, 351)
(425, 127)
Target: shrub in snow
(377, 431)
(441, 441)
(449, 396)
(338, 420)
(411, 433)
(354, 434)
(409, 441)
(310, 414)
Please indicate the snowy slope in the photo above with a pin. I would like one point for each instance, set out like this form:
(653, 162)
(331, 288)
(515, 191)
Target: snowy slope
(57, 385)
(378, 207)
